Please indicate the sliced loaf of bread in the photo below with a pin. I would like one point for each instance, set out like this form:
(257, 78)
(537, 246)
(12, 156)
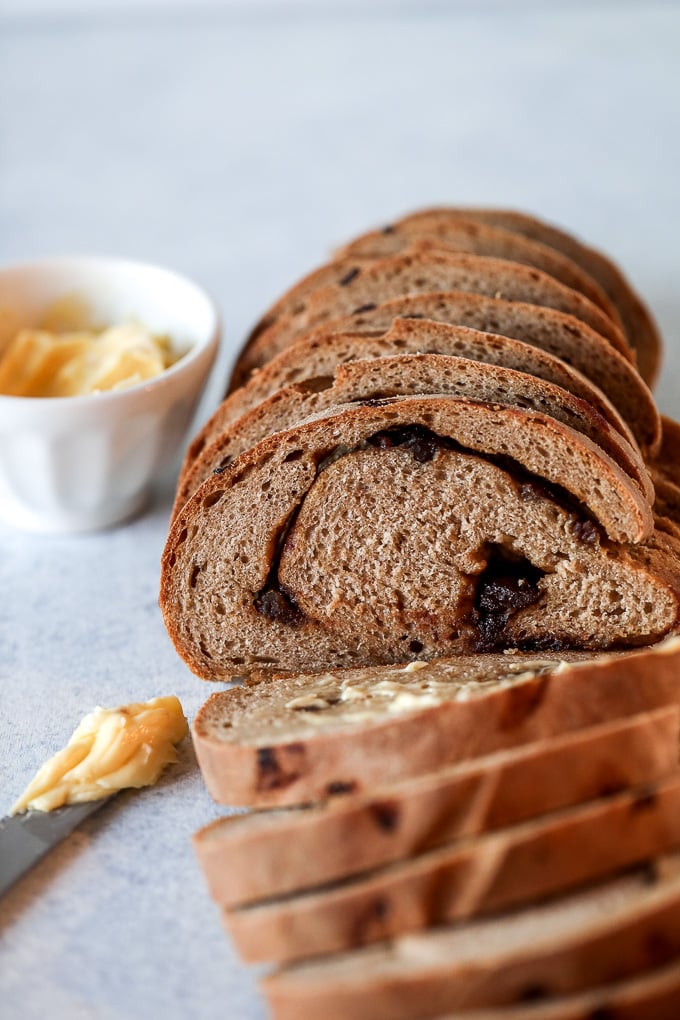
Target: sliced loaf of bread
(640, 327)
(403, 374)
(626, 926)
(418, 273)
(472, 877)
(262, 854)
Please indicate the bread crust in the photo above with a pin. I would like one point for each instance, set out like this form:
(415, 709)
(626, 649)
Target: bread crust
(654, 996)
(421, 324)
(468, 235)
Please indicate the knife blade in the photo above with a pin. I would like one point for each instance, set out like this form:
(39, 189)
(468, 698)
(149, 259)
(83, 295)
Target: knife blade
(26, 838)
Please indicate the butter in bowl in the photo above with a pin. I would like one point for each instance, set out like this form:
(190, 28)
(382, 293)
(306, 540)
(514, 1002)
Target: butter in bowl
(102, 363)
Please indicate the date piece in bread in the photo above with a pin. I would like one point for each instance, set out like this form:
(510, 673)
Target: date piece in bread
(300, 739)
(418, 273)
(269, 853)
(639, 324)
(623, 927)
(410, 374)
(471, 878)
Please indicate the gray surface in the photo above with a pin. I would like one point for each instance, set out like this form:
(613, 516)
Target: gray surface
(237, 144)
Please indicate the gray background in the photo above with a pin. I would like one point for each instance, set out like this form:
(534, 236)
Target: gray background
(237, 142)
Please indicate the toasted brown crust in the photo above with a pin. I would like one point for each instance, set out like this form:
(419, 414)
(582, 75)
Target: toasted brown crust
(639, 324)
(364, 757)
(403, 374)
(467, 879)
(420, 272)
(259, 855)
(541, 954)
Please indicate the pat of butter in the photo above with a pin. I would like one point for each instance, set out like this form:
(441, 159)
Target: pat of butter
(112, 749)
(40, 363)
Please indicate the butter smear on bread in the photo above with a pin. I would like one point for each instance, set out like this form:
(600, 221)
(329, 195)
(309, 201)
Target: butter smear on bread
(112, 749)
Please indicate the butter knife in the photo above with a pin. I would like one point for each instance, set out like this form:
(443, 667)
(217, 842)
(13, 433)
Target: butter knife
(26, 838)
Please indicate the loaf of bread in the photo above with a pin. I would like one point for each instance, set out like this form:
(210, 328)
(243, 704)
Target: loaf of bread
(438, 488)
(628, 925)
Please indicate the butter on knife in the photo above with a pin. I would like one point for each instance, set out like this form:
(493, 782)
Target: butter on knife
(112, 749)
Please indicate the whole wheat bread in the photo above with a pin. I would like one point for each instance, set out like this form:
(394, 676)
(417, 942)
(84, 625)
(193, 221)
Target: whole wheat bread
(475, 238)
(620, 928)
(264, 746)
(269, 853)
(298, 589)
(653, 996)
(640, 327)
(481, 875)
(418, 273)
(404, 374)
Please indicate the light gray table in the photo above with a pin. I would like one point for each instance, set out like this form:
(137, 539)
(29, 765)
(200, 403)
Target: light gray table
(237, 143)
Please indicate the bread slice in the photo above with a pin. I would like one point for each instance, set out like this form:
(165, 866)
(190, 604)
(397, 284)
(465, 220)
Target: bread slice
(480, 556)
(404, 374)
(482, 875)
(269, 853)
(417, 273)
(301, 739)
(554, 332)
(314, 358)
(653, 996)
(620, 928)
(461, 235)
(639, 325)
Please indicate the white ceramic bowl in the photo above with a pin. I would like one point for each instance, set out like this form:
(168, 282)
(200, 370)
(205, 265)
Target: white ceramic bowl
(79, 463)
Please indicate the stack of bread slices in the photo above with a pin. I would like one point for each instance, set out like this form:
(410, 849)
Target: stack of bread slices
(433, 531)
